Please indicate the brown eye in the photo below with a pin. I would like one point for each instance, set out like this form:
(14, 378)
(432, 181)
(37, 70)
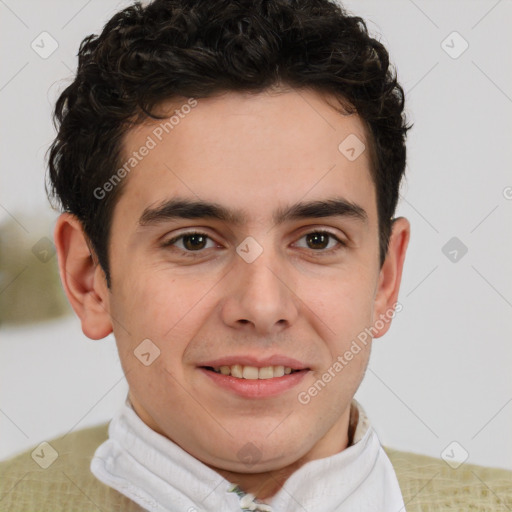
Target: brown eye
(321, 241)
(190, 242)
(317, 240)
(194, 242)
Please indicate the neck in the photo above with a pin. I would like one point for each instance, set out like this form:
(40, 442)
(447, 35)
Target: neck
(266, 484)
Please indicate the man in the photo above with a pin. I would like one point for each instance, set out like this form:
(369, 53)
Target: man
(228, 173)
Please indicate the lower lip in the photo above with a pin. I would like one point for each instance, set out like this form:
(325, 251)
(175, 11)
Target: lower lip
(256, 388)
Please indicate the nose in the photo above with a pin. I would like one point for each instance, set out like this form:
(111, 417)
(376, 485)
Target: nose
(260, 298)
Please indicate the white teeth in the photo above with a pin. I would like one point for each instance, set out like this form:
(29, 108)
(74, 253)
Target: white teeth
(267, 372)
(236, 371)
(278, 371)
(252, 372)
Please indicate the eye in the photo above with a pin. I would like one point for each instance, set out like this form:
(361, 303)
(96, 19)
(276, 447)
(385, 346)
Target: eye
(318, 241)
(191, 242)
(321, 241)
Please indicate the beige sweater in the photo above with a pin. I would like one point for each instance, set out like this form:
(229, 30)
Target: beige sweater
(427, 484)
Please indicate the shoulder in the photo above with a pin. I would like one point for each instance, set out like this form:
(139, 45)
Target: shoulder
(55, 476)
(429, 483)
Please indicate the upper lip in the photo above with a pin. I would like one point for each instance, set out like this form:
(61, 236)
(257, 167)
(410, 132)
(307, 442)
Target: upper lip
(258, 362)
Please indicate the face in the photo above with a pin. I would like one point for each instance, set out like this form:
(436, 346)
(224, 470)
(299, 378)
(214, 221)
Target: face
(245, 244)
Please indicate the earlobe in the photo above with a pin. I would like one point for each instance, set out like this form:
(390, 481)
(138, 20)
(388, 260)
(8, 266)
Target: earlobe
(391, 275)
(83, 278)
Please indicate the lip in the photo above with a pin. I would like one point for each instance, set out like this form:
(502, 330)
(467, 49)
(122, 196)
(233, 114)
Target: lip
(258, 362)
(255, 388)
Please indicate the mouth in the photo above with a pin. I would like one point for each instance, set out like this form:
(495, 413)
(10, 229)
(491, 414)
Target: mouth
(239, 371)
(255, 378)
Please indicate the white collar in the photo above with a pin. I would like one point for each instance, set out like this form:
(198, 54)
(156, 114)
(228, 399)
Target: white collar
(160, 476)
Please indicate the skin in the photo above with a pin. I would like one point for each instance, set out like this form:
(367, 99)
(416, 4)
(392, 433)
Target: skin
(254, 153)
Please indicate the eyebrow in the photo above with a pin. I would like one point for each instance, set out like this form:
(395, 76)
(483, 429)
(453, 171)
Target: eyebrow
(180, 208)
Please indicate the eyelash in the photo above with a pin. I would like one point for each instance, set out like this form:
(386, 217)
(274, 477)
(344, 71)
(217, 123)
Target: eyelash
(319, 252)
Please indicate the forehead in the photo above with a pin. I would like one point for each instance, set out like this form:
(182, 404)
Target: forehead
(248, 151)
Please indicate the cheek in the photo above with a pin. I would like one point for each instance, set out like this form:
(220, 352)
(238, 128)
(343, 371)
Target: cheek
(167, 310)
(342, 312)
(155, 303)
(342, 304)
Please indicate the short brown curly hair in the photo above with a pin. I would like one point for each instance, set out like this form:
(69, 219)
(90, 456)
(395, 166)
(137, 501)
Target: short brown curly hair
(182, 48)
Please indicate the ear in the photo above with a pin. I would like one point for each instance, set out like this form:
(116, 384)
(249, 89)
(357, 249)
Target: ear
(390, 277)
(82, 277)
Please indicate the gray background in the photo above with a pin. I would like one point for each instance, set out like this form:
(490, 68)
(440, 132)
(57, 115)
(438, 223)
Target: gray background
(443, 372)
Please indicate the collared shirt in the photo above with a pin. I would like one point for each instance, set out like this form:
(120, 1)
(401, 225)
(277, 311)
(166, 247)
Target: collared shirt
(160, 476)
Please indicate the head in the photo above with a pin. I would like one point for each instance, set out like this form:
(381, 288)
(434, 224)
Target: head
(228, 173)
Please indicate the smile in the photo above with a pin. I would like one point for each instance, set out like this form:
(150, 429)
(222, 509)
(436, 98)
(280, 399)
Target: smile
(252, 372)
(254, 382)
